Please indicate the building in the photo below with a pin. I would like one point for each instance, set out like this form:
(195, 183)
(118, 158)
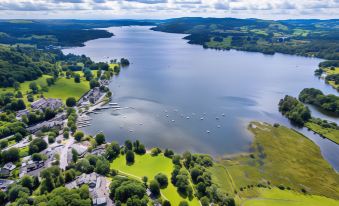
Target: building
(92, 180)
(44, 103)
(5, 183)
(7, 169)
(101, 201)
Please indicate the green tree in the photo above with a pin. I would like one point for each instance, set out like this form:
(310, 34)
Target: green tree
(78, 136)
(77, 78)
(162, 180)
(34, 87)
(71, 102)
(183, 203)
(27, 181)
(11, 155)
(155, 188)
(100, 138)
(94, 83)
(129, 157)
(37, 145)
(112, 151)
(102, 167)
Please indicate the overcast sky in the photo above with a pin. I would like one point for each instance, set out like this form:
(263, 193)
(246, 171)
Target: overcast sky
(160, 9)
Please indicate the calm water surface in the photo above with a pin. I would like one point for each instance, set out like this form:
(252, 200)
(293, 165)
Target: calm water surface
(178, 93)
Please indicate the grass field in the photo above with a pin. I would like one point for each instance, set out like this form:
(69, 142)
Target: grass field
(280, 156)
(329, 72)
(147, 165)
(62, 89)
(277, 197)
(328, 133)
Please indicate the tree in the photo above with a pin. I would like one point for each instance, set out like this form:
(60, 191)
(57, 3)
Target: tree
(66, 135)
(50, 81)
(168, 153)
(155, 188)
(75, 155)
(100, 138)
(34, 87)
(129, 157)
(11, 155)
(27, 181)
(162, 180)
(15, 191)
(71, 102)
(77, 78)
(102, 167)
(166, 203)
(128, 145)
(78, 136)
(183, 203)
(37, 145)
(38, 157)
(112, 151)
(94, 83)
(3, 198)
(16, 86)
(3, 143)
(70, 175)
(155, 151)
(145, 180)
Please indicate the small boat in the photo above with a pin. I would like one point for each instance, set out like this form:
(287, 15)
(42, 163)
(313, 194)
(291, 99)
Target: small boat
(187, 117)
(173, 120)
(201, 118)
(207, 131)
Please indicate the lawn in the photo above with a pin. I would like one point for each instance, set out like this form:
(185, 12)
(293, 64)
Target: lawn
(23, 152)
(328, 133)
(62, 89)
(65, 88)
(147, 165)
(277, 197)
(280, 156)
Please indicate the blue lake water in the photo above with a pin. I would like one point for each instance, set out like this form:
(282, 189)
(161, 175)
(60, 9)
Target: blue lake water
(178, 93)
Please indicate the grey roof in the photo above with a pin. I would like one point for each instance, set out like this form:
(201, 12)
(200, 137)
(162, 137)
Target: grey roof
(9, 166)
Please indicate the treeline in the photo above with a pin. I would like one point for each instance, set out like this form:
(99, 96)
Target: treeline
(58, 32)
(294, 110)
(19, 64)
(260, 35)
(315, 97)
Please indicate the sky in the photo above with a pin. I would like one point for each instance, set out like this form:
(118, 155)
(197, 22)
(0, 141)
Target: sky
(162, 9)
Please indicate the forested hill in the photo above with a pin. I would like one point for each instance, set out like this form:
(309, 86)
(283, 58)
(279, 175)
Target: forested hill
(319, 38)
(58, 32)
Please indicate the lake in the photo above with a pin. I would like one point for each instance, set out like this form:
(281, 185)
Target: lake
(185, 97)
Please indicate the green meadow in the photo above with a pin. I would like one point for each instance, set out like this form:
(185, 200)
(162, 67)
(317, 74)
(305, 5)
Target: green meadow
(279, 157)
(147, 165)
(62, 89)
(328, 133)
(277, 197)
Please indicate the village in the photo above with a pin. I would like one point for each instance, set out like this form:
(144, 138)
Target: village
(60, 151)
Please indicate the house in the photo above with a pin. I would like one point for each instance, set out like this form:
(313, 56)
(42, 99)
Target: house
(101, 201)
(5, 183)
(44, 103)
(7, 169)
(81, 149)
(20, 113)
(100, 150)
(92, 180)
(33, 165)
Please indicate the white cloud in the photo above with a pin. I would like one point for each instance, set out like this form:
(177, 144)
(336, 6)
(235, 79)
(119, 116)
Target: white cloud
(108, 9)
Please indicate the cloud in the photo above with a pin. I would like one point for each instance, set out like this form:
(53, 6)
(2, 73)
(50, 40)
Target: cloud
(107, 9)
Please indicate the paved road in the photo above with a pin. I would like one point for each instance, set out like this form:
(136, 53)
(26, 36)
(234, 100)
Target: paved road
(64, 151)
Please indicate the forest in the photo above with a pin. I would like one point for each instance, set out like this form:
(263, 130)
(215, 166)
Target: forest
(314, 38)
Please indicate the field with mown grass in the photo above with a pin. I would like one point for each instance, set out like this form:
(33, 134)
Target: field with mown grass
(279, 157)
(62, 89)
(277, 197)
(147, 165)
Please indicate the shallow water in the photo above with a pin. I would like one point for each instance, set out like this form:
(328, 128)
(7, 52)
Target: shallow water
(178, 93)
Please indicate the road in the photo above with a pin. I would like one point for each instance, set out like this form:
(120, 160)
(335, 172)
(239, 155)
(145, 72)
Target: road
(64, 151)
